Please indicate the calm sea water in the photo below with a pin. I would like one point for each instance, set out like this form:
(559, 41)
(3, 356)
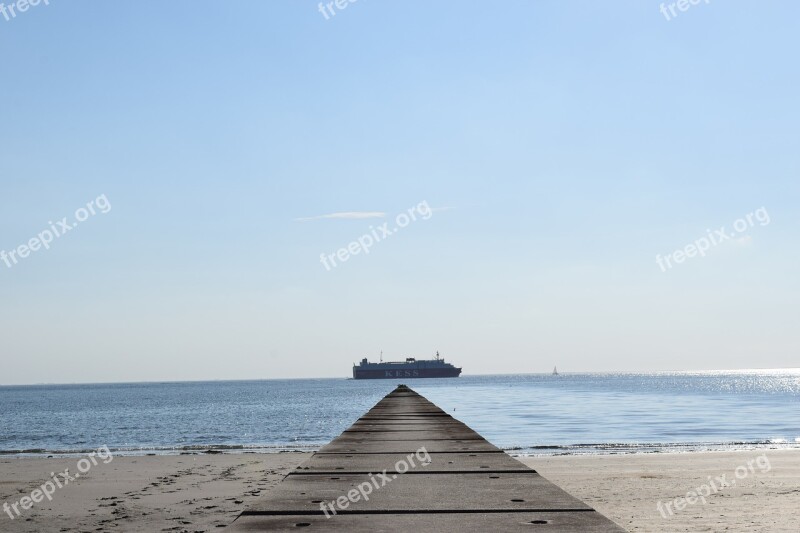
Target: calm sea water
(529, 414)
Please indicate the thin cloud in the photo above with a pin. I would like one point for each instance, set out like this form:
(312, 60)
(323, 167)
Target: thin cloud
(347, 215)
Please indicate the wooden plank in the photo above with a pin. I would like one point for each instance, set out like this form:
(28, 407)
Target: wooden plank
(440, 462)
(571, 522)
(429, 434)
(408, 446)
(446, 492)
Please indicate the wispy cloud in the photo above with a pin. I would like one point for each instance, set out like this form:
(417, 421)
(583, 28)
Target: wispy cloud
(348, 215)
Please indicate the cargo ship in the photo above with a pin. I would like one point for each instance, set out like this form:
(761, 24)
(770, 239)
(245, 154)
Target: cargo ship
(410, 368)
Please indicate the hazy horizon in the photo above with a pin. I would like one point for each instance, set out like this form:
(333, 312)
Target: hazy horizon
(411, 381)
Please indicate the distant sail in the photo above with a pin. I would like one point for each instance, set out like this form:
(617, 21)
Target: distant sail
(555, 371)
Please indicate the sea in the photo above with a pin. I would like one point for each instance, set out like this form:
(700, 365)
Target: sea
(532, 414)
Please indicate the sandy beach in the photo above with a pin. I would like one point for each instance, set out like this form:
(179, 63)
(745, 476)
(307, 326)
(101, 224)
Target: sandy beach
(205, 492)
(151, 493)
(627, 488)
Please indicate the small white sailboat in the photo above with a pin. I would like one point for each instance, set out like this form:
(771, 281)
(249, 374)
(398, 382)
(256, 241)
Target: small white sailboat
(555, 371)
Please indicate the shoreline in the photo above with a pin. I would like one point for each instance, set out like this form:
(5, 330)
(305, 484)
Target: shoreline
(203, 492)
(574, 450)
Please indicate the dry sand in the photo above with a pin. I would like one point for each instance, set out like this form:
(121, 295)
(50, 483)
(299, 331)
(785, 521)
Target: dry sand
(151, 493)
(206, 492)
(627, 489)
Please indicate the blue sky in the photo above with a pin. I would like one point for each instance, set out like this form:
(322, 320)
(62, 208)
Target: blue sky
(572, 142)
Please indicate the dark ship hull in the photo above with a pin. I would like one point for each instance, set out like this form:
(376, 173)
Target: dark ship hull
(406, 373)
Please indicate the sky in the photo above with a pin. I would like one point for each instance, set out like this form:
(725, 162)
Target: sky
(555, 155)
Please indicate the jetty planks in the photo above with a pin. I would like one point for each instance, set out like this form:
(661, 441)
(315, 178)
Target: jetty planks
(406, 465)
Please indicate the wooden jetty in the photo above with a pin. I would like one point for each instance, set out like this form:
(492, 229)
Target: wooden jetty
(406, 465)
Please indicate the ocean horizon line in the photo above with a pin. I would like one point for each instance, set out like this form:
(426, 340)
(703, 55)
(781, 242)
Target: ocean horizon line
(787, 370)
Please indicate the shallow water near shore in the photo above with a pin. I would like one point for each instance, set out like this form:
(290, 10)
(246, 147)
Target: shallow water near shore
(524, 414)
